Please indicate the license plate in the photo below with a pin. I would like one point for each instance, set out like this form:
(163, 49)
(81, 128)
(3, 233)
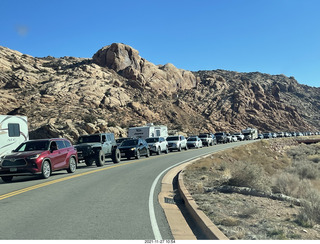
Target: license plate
(13, 169)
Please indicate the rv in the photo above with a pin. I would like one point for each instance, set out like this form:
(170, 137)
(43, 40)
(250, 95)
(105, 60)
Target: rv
(13, 131)
(147, 131)
(250, 133)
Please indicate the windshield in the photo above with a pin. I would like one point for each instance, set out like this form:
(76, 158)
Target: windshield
(33, 146)
(129, 143)
(121, 140)
(86, 139)
(219, 134)
(203, 136)
(149, 140)
(192, 139)
(173, 138)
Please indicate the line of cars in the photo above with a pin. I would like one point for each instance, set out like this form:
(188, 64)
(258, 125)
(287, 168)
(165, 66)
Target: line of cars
(137, 147)
(267, 135)
(44, 156)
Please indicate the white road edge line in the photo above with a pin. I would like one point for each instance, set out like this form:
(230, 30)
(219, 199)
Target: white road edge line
(154, 224)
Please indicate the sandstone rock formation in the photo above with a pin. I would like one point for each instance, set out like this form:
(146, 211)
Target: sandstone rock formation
(117, 88)
(126, 61)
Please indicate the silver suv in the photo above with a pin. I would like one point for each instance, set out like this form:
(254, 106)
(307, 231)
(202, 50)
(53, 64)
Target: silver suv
(157, 145)
(178, 142)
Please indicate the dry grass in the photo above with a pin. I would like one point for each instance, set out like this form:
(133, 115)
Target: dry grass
(277, 166)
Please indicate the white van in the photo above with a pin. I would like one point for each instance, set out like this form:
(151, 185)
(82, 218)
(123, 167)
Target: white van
(13, 131)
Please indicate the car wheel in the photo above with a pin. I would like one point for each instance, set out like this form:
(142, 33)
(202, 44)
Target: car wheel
(7, 179)
(158, 151)
(89, 161)
(116, 156)
(138, 154)
(179, 148)
(148, 153)
(167, 150)
(72, 165)
(46, 170)
(100, 159)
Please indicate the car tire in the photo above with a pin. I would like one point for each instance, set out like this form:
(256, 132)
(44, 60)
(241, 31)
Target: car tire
(72, 165)
(89, 161)
(46, 170)
(167, 150)
(148, 153)
(179, 148)
(116, 156)
(101, 158)
(7, 179)
(137, 154)
(158, 151)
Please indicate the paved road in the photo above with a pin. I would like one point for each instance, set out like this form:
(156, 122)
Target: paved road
(115, 202)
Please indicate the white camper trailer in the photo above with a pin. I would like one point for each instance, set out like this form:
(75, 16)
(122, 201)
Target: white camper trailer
(149, 130)
(13, 131)
(250, 133)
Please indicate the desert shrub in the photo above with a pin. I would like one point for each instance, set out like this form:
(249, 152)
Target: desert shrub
(314, 158)
(249, 175)
(302, 151)
(229, 221)
(248, 212)
(90, 119)
(309, 214)
(311, 206)
(112, 124)
(277, 234)
(290, 185)
(305, 169)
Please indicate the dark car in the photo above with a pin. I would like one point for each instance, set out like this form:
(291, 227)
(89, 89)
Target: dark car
(120, 140)
(134, 148)
(221, 137)
(267, 135)
(39, 157)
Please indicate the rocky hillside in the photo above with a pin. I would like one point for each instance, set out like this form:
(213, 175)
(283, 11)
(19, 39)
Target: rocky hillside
(117, 88)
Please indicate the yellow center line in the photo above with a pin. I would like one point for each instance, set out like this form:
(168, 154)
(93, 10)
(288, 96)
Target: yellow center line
(30, 188)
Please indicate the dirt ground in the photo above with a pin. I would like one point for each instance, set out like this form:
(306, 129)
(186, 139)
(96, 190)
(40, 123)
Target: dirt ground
(242, 217)
(245, 217)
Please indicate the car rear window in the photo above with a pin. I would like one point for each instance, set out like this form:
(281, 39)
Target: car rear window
(172, 138)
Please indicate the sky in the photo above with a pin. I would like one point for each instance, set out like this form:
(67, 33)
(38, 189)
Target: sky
(268, 36)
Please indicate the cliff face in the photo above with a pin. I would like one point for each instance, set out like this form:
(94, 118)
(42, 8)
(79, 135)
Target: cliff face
(117, 88)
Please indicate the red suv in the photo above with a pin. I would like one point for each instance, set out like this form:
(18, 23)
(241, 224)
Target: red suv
(39, 157)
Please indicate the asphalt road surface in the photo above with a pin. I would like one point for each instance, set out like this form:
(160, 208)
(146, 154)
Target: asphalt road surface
(114, 202)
